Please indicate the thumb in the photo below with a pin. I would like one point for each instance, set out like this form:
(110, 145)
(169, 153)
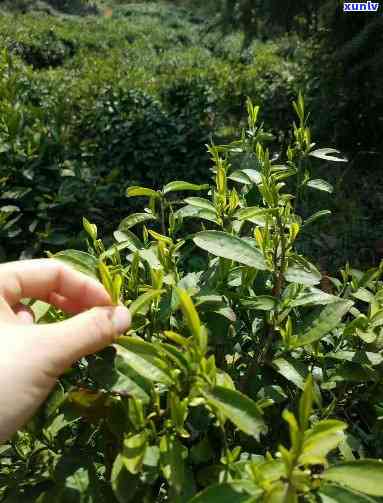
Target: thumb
(83, 334)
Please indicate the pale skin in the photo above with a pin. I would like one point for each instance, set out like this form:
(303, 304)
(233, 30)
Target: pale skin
(32, 356)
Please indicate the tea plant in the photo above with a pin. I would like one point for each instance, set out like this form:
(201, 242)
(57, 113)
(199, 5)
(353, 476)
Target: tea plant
(236, 381)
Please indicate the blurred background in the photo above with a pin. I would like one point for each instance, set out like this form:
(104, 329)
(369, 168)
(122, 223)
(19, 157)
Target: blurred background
(96, 96)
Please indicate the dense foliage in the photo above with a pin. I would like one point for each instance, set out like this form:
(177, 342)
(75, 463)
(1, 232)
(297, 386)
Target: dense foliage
(88, 104)
(134, 93)
(252, 378)
(249, 373)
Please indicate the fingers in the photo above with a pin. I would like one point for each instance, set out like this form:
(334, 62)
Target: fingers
(51, 281)
(20, 313)
(6, 313)
(82, 335)
(24, 314)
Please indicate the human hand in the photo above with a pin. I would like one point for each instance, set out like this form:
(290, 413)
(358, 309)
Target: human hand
(33, 356)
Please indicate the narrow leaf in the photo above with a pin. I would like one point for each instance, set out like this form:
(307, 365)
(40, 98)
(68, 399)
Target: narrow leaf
(142, 191)
(143, 300)
(321, 185)
(178, 186)
(190, 312)
(327, 154)
(316, 216)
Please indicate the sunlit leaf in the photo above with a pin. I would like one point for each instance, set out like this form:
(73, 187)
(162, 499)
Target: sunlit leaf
(293, 370)
(231, 247)
(327, 154)
(229, 492)
(240, 409)
(135, 219)
(322, 438)
(365, 475)
(317, 216)
(330, 493)
(142, 192)
(143, 366)
(199, 202)
(304, 274)
(178, 186)
(134, 449)
(322, 322)
(83, 262)
(143, 300)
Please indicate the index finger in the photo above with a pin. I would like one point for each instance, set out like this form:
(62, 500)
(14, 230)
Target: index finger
(45, 279)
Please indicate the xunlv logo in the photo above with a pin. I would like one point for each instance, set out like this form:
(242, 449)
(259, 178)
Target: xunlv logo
(361, 6)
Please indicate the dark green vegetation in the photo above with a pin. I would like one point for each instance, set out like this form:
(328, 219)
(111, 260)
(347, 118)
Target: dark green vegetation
(250, 374)
(90, 104)
(242, 381)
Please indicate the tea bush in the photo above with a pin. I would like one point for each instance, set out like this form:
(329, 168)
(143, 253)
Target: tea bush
(89, 104)
(253, 378)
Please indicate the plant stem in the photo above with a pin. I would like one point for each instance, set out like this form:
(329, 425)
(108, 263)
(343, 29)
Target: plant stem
(163, 227)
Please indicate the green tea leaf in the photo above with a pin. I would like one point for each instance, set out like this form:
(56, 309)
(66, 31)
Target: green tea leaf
(138, 346)
(240, 177)
(229, 492)
(199, 202)
(144, 366)
(306, 403)
(40, 309)
(90, 229)
(135, 219)
(126, 486)
(303, 274)
(252, 212)
(330, 493)
(316, 216)
(231, 247)
(361, 357)
(190, 313)
(327, 154)
(259, 302)
(240, 409)
(81, 261)
(125, 240)
(142, 191)
(321, 185)
(314, 297)
(178, 186)
(322, 438)
(191, 211)
(322, 322)
(293, 370)
(365, 475)
(134, 449)
(143, 300)
(106, 278)
(253, 174)
(172, 461)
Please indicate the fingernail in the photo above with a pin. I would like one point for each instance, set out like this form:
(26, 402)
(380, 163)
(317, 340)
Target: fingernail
(121, 319)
